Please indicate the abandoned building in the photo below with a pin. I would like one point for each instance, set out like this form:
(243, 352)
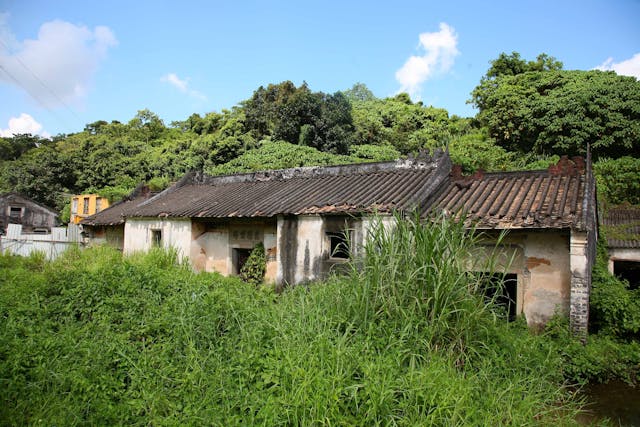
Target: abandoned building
(303, 216)
(34, 217)
(622, 231)
(85, 205)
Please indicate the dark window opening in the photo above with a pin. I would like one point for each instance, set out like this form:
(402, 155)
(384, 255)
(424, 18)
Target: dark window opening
(629, 271)
(240, 257)
(502, 289)
(339, 246)
(156, 238)
(85, 206)
(15, 212)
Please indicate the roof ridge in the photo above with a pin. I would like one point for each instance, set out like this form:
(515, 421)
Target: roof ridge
(424, 160)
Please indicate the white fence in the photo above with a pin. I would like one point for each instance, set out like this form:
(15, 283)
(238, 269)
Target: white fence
(53, 244)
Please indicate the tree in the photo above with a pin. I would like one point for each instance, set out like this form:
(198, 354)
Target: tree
(560, 112)
(511, 65)
(146, 126)
(14, 147)
(359, 92)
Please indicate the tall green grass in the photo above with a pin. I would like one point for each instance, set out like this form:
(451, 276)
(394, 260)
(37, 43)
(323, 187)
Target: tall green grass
(97, 339)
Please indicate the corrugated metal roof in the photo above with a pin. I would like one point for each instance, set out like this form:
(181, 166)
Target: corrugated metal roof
(524, 199)
(380, 187)
(622, 227)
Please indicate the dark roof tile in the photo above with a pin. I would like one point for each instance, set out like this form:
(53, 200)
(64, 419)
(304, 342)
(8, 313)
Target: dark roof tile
(623, 227)
(515, 199)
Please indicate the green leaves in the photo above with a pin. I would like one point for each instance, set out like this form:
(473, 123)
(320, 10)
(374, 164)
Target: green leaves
(255, 266)
(560, 112)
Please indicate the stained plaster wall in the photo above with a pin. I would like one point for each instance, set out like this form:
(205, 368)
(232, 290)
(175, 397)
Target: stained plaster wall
(176, 234)
(213, 244)
(107, 235)
(542, 263)
(304, 247)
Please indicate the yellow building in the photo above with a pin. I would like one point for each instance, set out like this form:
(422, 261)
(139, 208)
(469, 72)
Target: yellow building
(85, 205)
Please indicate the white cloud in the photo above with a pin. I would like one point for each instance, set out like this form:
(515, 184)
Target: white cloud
(182, 86)
(628, 67)
(440, 51)
(23, 124)
(57, 67)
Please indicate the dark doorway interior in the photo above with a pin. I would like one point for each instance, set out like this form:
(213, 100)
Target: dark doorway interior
(629, 271)
(503, 290)
(239, 258)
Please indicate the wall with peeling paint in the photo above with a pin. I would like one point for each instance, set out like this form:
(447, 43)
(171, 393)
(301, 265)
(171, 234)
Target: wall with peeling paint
(213, 244)
(542, 264)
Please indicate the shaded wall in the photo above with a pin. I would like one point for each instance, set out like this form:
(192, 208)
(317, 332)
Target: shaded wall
(31, 215)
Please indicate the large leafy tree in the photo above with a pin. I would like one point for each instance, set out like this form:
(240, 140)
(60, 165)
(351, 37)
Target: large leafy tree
(299, 116)
(538, 108)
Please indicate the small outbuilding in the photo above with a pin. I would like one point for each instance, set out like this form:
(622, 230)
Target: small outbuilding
(34, 217)
(622, 231)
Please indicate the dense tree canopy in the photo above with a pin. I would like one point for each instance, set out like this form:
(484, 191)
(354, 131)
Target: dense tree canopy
(541, 109)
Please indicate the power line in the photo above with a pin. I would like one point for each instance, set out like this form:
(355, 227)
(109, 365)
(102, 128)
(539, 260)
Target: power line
(35, 97)
(55, 95)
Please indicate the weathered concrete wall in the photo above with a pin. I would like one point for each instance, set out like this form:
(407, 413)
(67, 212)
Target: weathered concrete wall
(106, 235)
(300, 246)
(548, 265)
(32, 216)
(542, 264)
(304, 245)
(176, 233)
(214, 242)
(622, 254)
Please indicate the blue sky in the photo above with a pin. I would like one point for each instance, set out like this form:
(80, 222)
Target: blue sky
(64, 64)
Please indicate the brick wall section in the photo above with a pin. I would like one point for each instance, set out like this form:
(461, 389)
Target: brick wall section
(580, 283)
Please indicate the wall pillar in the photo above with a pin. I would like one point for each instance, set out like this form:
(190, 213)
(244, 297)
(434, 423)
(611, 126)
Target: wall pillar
(580, 282)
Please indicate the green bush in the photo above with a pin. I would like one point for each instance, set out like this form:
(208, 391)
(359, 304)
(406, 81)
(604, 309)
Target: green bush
(614, 308)
(254, 268)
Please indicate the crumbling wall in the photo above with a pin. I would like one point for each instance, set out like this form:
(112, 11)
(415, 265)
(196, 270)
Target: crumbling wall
(214, 242)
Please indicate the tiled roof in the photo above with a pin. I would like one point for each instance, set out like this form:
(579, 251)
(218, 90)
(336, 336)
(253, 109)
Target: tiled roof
(380, 187)
(622, 225)
(551, 198)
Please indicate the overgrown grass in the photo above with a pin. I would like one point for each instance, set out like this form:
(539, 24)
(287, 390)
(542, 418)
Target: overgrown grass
(95, 339)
